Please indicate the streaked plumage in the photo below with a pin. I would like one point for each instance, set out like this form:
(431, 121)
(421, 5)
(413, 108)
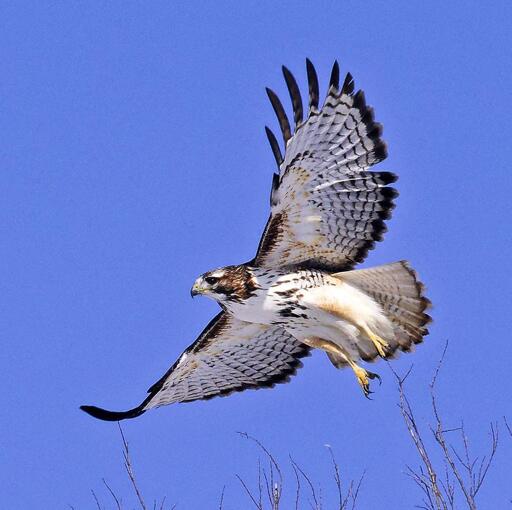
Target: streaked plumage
(300, 290)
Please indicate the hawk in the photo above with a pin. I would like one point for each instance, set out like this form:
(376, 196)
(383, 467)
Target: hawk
(301, 290)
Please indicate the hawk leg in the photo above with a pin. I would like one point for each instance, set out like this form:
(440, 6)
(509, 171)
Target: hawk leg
(363, 376)
(380, 344)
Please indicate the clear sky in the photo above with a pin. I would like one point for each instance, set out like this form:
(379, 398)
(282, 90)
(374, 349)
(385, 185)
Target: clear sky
(134, 158)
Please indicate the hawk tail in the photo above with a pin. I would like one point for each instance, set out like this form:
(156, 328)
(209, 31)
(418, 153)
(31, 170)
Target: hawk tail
(396, 288)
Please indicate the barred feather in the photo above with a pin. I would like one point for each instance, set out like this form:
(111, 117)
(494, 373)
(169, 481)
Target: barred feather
(313, 86)
(229, 355)
(328, 209)
(401, 295)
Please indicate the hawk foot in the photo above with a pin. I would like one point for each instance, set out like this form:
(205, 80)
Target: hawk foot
(363, 378)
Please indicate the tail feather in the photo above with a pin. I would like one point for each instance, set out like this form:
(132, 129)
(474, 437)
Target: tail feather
(398, 291)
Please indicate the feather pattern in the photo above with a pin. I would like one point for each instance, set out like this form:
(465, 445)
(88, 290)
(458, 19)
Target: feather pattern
(335, 76)
(401, 295)
(295, 98)
(313, 85)
(274, 145)
(328, 209)
(229, 355)
(284, 124)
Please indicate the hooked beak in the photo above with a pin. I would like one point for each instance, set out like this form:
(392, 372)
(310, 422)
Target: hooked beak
(197, 288)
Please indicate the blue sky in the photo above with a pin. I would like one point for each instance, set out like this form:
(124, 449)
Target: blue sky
(134, 159)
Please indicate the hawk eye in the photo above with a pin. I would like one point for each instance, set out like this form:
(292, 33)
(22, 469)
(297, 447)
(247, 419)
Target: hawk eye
(211, 280)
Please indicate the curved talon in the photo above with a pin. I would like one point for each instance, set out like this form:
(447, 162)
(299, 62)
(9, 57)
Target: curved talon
(367, 393)
(373, 375)
(363, 378)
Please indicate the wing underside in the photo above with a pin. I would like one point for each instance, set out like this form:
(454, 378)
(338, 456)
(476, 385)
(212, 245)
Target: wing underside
(229, 355)
(327, 209)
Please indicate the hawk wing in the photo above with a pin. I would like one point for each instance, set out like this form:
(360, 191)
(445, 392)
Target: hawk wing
(229, 355)
(327, 210)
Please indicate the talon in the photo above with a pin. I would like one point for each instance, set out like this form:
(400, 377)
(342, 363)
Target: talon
(363, 376)
(373, 375)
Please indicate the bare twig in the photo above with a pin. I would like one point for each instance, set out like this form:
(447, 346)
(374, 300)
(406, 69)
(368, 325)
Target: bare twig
(297, 479)
(163, 503)
(260, 486)
(221, 503)
(428, 483)
(268, 488)
(267, 453)
(276, 496)
(129, 468)
(273, 487)
(352, 490)
(474, 481)
(310, 483)
(96, 500)
(337, 478)
(118, 504)
(507, 426)
(440, 437)
(273, 483)
(249, 493)
(460, 468)
(355, 492)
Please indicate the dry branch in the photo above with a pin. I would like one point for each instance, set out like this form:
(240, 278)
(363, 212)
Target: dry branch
(463, 474)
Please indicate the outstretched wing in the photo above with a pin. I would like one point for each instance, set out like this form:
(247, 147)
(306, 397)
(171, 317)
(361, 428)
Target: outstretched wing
(229, 355)
(327, 210)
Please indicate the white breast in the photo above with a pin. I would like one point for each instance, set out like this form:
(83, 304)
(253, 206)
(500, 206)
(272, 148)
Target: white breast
(264, 306)
(344, 302)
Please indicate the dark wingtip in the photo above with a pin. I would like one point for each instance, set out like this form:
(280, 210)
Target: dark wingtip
(280, 113)
(335, 76)
(274, 145)
(348, 84)
(103, 414)
(295, 97)
(313, 85)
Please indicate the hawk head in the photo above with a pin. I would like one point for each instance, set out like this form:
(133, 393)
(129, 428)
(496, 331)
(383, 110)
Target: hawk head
(230, 283)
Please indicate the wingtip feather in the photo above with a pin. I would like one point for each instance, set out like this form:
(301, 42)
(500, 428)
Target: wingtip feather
(274, 145)
(312, 85)
(280, 113)
(295, 97)
(335, 76)
(103, 414)
(348, 85)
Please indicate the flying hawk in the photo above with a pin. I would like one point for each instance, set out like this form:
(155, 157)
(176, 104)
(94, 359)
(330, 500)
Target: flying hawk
(301, 291)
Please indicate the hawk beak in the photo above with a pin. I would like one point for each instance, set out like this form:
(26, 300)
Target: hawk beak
(196, 288)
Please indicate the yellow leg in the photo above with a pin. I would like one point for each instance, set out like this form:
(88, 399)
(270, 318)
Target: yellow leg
(380, 344)
(363, 376)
